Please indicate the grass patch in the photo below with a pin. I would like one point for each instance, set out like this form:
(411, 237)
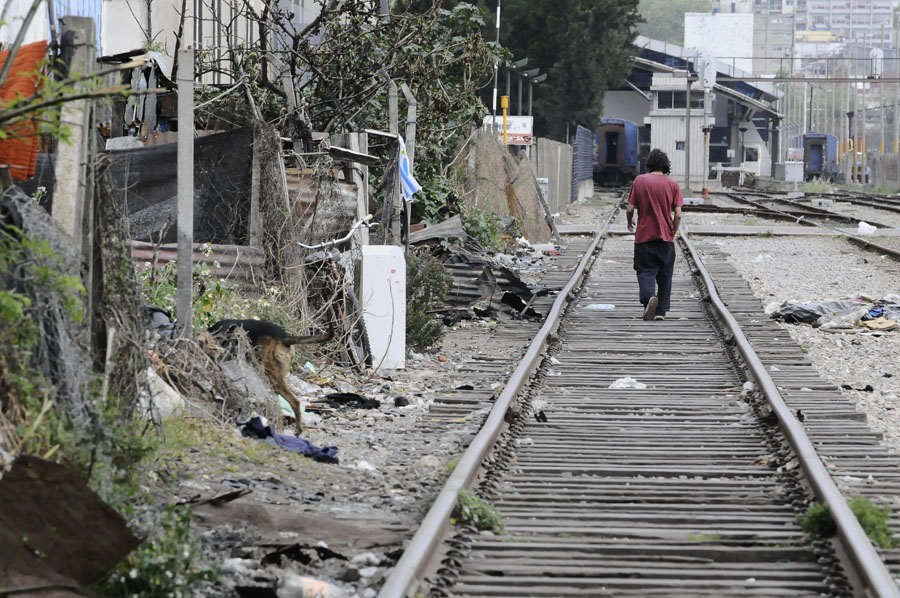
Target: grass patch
(817, 185)
(701, 537)
(818, 523)
(451, 465)
(476, 511)
(767, 234)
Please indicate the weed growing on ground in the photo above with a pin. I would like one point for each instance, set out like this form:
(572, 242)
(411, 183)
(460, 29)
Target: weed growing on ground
(818, 523)
(427, 285)
(167, 565)
(476, 511)
(491, 231)
(817, 185)
(767, 234)
(213, 301)
(451, 466)
(701, 537)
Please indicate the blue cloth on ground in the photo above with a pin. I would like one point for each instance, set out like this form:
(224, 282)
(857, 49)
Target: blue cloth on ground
(876, 312)
(255, 429)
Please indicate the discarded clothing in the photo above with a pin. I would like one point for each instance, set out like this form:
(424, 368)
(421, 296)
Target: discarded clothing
(255, 429)
(811, 311)
(352, 399)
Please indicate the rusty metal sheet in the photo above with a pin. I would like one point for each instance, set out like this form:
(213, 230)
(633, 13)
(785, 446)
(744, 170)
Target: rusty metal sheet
(54, 530)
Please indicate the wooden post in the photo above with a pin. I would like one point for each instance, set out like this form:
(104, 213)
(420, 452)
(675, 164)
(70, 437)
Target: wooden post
(184, 303)
(255, 183)
(71, 158)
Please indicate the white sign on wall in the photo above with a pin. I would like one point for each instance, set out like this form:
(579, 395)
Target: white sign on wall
(519, 129)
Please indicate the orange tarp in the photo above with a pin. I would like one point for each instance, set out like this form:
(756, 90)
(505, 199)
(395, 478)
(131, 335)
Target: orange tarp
(20, 147)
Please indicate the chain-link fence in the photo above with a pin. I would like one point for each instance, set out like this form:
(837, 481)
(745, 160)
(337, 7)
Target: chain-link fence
(582, 159)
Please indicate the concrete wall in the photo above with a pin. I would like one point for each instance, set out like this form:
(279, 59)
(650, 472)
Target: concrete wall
(885, 171)
(36, 32)
(497, 182)
(553, 160)
(728, 37)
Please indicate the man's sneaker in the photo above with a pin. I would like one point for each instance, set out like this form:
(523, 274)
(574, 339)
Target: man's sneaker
(650, 310)
(660, 317)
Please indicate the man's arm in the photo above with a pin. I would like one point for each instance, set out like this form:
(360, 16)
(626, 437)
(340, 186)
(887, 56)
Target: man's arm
(676, 222)
(629, 216)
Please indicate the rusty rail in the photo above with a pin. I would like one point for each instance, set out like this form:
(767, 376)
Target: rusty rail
(428, 538)
(869, 565)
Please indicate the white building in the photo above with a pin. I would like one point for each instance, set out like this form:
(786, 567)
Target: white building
(668, 113)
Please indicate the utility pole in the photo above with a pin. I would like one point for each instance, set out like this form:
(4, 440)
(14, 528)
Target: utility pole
(183, 299)
(881, 91)
(496, 74)
(687, 135)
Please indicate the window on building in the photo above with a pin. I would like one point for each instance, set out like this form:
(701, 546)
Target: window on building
(679, 145)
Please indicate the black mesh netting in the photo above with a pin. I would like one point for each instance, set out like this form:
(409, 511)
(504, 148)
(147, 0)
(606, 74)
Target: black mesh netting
(62, 353)
(222, 183)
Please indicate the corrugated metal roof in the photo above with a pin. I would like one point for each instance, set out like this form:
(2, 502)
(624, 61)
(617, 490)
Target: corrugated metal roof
(238, 264)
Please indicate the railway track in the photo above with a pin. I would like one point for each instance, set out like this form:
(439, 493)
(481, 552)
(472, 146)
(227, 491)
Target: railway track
(686, 486)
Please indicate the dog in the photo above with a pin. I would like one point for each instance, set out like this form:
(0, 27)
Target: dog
(276, 351)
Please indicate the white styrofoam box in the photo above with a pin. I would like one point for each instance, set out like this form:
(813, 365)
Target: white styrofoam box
(384, 304)
(818, 202)
(693, 201)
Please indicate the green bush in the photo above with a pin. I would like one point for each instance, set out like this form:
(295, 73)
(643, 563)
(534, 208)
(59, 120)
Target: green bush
(818, 522)
(490, 230)
(476, 511)
(427, 285)
(167, 564)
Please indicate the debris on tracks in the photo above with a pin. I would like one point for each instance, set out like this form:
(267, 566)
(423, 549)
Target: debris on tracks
(842, 315)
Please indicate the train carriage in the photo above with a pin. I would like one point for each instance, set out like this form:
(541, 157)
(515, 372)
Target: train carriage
(820, 159)
(616, 152)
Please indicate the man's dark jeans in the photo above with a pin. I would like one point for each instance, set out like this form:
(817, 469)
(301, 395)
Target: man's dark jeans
(654, 262)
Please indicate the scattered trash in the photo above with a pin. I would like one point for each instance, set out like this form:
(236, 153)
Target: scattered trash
(365, 466)
(628, 382)
(164, 401)
(599, 307)
(401, 402)
(880, 323)
(299, 586)
(555, 361)
(748, 386)
(866, 229)
(256, 428)
(842, 315)
(352, 399)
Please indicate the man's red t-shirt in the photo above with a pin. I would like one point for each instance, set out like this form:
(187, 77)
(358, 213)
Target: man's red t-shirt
(654, 196)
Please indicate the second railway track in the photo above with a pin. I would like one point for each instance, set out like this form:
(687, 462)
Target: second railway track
(682, 487)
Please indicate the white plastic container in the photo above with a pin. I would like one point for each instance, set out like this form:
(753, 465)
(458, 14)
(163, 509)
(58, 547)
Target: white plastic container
(384, 304)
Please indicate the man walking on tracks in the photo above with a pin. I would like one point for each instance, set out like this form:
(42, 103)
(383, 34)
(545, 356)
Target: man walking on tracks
(655, 196)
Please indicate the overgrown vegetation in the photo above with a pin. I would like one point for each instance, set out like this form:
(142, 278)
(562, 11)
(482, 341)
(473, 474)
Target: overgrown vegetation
(493, 232)
(817, 185)
(167, 565)
(474, 510)
(213, 301)
(818, 523)
(427, 285)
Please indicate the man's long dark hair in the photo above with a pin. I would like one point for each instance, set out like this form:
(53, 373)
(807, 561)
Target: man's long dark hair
(658, 161)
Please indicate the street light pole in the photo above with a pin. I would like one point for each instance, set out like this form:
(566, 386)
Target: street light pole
(496, 74)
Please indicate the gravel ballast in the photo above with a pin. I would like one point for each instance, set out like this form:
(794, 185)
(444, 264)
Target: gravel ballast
(813, 269)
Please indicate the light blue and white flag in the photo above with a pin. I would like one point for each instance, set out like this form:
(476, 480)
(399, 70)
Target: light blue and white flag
(408, 183)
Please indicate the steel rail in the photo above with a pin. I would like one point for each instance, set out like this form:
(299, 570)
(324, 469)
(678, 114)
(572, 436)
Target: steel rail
(428, 537)
(869, 565)
(864, 243)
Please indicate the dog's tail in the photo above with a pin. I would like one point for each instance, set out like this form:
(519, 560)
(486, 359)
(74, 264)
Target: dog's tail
(311, 340)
